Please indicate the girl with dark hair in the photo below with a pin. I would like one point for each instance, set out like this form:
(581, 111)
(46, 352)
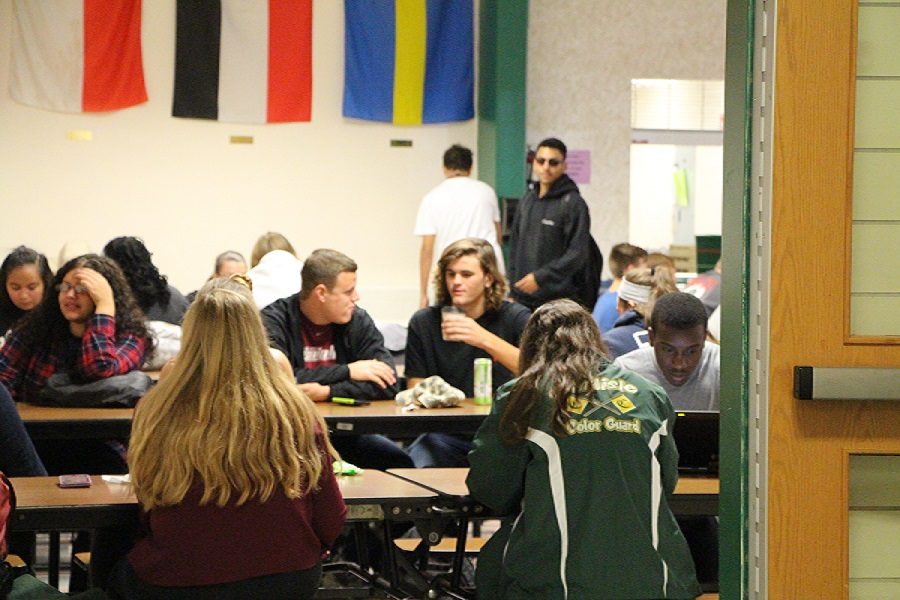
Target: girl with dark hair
(581, 452)
(93, 330)
(159, 300)
(25, 278)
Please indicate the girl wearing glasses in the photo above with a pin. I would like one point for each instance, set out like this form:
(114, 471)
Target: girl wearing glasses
(92, 330)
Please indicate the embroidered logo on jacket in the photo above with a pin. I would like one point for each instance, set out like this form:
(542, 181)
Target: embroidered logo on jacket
(576, 405)
(576, 426)
(623, 403)
(605, 383)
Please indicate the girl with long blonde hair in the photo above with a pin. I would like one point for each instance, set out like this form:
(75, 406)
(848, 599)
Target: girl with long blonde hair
(232, 464)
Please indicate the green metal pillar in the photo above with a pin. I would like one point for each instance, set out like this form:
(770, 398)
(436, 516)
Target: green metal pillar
(502, 49)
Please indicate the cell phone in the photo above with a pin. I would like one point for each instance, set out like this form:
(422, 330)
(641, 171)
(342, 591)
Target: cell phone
(74, 481)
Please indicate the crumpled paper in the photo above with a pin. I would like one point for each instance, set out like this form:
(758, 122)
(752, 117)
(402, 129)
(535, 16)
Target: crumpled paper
(126, 478)
(433, 392)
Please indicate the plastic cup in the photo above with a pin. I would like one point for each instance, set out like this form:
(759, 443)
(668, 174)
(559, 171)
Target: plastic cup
(449, 313)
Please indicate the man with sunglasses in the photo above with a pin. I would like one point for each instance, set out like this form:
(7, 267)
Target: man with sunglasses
(550, 239)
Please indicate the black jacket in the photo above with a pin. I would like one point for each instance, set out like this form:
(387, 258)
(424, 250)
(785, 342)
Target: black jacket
(550, 237)
(357, 340)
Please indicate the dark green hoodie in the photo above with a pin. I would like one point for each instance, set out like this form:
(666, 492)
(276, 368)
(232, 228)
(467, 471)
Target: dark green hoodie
(591, 520)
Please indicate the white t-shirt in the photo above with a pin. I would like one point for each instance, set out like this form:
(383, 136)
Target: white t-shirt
(277, 275)
(460, 207)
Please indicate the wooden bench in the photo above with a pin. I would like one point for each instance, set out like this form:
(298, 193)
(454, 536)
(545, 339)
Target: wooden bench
(15, 561)
(82, 560)
(447, 545)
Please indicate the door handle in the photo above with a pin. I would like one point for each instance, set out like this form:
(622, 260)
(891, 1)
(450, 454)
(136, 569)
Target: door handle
(846, 383)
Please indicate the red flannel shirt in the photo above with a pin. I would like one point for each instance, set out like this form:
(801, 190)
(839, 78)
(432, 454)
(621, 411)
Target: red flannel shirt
(96, 355)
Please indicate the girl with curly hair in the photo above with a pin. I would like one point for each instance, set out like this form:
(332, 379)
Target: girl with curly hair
(92, 330)
(159, 300)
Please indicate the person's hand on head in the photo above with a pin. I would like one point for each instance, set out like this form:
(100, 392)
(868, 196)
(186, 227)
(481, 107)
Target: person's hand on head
(98, 288)
(372, 370)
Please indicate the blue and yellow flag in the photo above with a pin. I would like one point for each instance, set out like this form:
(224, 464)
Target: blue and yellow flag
(408, 61)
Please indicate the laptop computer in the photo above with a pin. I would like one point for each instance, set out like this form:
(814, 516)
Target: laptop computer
(696, 435)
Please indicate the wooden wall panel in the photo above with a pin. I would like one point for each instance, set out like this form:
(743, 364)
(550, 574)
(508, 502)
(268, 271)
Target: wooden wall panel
(810, 441)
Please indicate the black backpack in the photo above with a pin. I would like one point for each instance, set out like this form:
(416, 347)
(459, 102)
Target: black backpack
(589, 283)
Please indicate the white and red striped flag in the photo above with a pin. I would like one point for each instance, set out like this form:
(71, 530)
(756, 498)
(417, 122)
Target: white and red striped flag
(244, 61)
(77, 55)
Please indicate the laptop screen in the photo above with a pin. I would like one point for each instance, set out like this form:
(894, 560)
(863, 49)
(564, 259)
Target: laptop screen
(697, 437)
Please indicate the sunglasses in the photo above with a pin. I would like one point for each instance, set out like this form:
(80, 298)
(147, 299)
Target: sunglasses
(553, 162)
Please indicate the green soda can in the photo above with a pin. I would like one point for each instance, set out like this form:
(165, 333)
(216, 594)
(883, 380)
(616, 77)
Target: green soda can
(483, 367)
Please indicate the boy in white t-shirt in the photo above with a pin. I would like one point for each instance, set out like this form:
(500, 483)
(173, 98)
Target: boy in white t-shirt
(459, 207)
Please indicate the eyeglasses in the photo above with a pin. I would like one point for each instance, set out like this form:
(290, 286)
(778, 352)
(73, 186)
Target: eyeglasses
(554, 162)
(65, 287)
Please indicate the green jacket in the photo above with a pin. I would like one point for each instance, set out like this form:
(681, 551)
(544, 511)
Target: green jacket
(591, 520)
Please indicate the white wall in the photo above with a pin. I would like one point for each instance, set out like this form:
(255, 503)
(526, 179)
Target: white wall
(652, 196)
(582, 56)
(180, 185)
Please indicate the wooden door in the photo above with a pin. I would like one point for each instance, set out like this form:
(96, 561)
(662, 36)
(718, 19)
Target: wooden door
(809, 442)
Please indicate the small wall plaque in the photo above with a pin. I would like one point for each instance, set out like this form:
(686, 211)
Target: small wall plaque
(80, 135)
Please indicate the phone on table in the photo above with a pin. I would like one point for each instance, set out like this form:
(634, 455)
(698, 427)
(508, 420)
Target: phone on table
(74, 481)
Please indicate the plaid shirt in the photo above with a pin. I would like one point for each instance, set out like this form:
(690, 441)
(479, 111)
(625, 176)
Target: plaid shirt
(96, 355)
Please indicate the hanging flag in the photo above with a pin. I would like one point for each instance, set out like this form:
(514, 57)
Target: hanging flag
(408, 61)
(77, 55)
(244, 61)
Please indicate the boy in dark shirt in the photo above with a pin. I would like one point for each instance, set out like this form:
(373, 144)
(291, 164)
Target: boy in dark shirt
(488, 327)
(335, 349)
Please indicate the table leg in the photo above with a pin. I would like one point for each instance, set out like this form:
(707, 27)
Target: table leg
(53, 560)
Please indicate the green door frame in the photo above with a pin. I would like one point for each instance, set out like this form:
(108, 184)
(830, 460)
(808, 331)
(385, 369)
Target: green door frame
(501, 154)
(736, 286)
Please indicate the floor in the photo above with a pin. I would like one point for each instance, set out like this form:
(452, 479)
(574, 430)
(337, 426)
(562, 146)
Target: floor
(65, 557)
(40, 564)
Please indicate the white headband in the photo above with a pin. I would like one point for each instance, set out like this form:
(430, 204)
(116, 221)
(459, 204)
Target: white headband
(633, 292)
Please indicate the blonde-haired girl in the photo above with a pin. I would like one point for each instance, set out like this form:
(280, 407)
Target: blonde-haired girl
(232, 464)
